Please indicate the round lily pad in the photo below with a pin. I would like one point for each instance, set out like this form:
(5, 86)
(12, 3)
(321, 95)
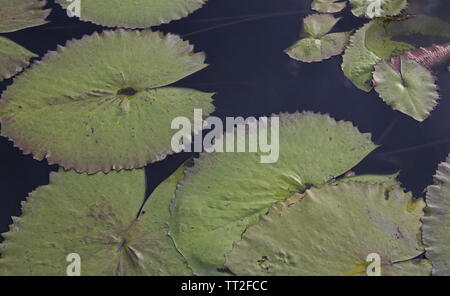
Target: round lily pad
(134, 13)
(317, 44)
(102, 102)
(332, 231)
(412, 90)
(436, 223)
(318, 49)
(224, 193)
(94, 216)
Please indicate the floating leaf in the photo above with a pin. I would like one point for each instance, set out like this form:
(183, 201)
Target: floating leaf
(377, 8)
(436, 223)
(99, 103)
(358, 61)
(95, 217)
(331, 231)
(20, 14)
(136, 13)
(412, 91)
(328, 6)
(224, 193)
(426, 57)
(317, 44)
(318, 49)
(13, 58)
(317, 25)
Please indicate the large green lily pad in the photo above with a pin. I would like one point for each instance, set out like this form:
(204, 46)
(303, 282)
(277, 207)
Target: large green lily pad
(13, 58)
(412, 90)
(20, 14)
(134, 13)
(331, 231)
(95, 217)
(101, 102)
(377, 8)
(224, 193)
(436, 223)
(318, 45)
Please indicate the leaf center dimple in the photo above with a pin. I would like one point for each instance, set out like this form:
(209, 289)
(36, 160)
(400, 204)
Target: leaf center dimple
(128, 91)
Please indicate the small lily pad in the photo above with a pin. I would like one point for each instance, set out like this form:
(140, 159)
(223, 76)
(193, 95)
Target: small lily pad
(318, 49)
(135, 13)
(94, 216)
(103, 102)
(328, 6)
(412, 91)
(317, 25)
(331, 231)
(377, 8)
(317, 45)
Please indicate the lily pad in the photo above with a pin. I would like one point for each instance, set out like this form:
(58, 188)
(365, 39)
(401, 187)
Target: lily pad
(377, 8)
(224, 193)
(317, 45)
(436, 223)
(136, 13)
(13, 58)
(358, 61)
(101, 103)
(328, 6)
(20, 14)
(384, 37)
(317, 25)
(94, 216)
(412, 91)
(318, 49)
(331, 231)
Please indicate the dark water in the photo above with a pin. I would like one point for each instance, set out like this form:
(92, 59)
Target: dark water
(253, 77)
